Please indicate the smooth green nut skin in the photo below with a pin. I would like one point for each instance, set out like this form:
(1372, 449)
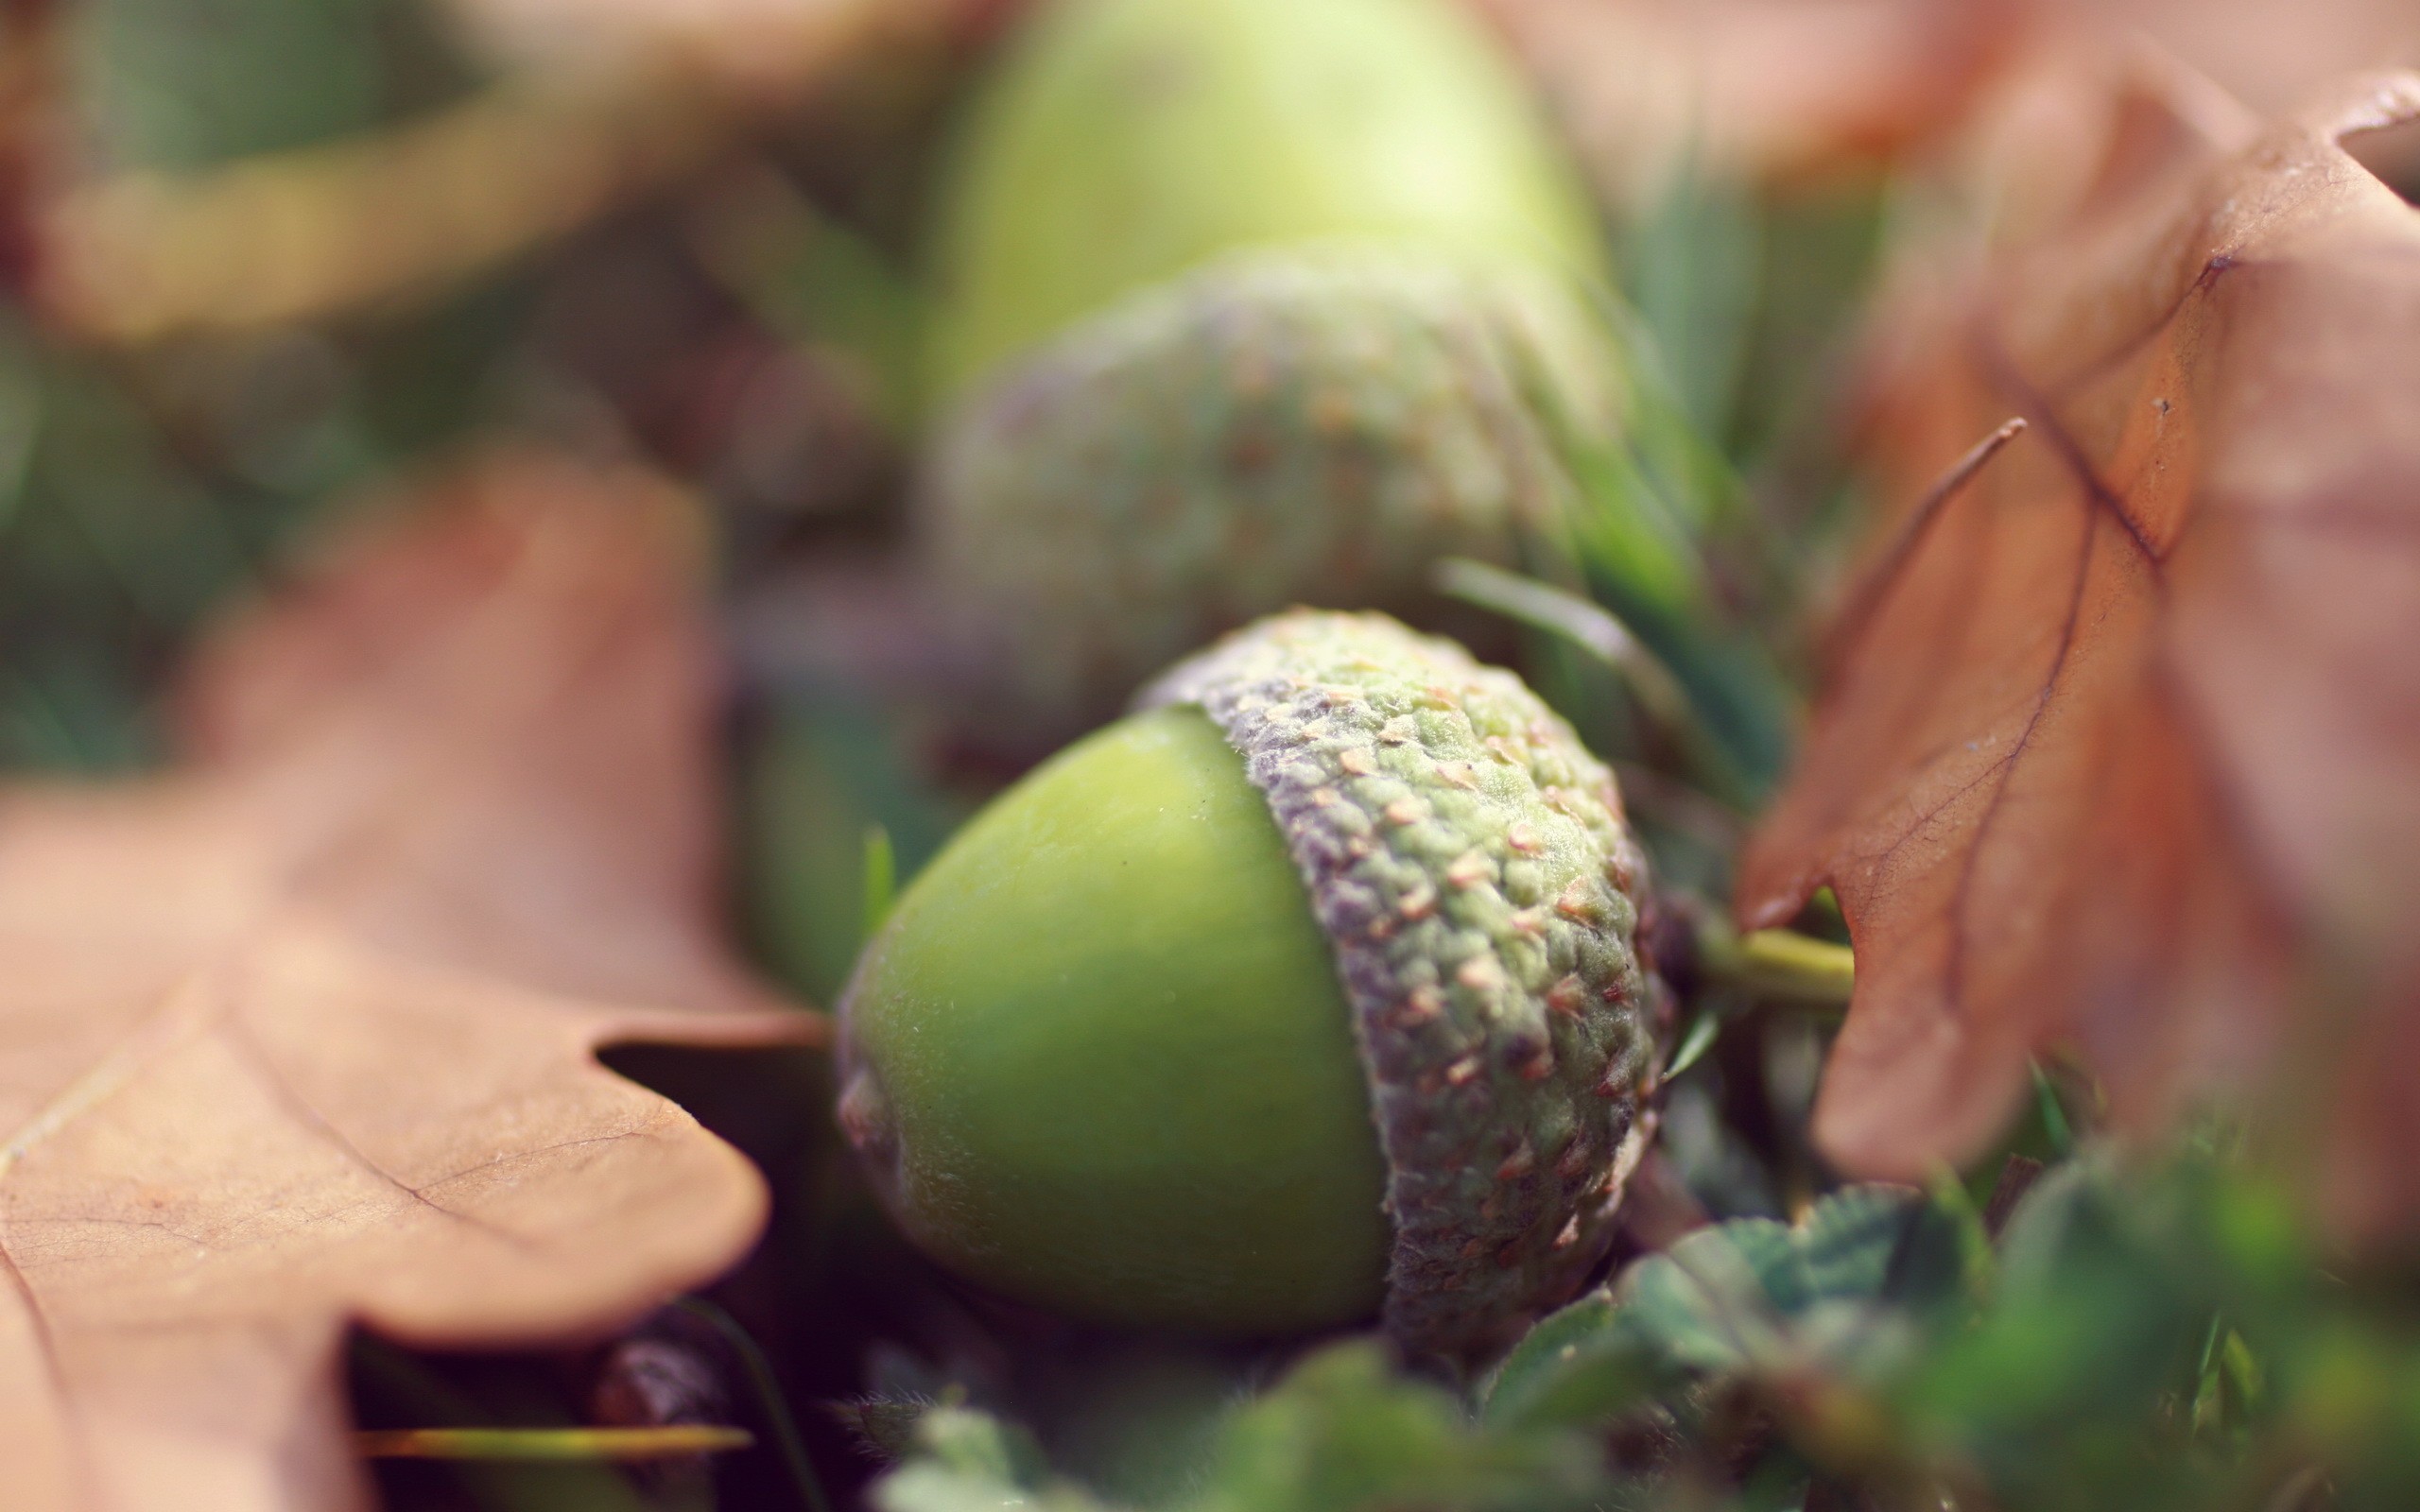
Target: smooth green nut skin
(1098, 1058)
(1124, 142)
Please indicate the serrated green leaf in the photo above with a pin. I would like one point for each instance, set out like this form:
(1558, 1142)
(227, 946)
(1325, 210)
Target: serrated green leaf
(1712, 1303)
(1880, 1243)
(978, 1443)
(1849, 1287)
(1578, 1367)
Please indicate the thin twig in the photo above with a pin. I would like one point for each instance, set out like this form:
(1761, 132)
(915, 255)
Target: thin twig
(770, 1397)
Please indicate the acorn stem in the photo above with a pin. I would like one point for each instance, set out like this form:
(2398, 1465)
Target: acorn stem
(1775, 963)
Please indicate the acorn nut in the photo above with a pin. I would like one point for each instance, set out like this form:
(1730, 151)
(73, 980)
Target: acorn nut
(1305, 993)
(1240, 305)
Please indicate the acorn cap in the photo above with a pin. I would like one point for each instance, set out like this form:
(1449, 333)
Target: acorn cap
(1316, 423)
(1469, 863)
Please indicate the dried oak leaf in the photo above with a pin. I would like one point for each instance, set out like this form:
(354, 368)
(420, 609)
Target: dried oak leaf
(301, 1034)
(2120, 750)
(2274, 53)
(774, 46)
(1783, 87)
(1757, 87)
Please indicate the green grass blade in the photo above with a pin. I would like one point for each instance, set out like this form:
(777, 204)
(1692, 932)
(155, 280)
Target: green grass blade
(551, 1443)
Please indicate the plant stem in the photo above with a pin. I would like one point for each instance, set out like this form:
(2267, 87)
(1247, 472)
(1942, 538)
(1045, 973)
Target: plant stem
(1776, 963)
(769, 1394)
(551, 1443)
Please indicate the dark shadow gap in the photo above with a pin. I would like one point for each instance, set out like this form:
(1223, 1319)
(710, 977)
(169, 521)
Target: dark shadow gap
(2391, 152)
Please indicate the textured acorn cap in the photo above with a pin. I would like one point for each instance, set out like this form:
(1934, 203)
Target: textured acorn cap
(1312, 424)
(1470, 865)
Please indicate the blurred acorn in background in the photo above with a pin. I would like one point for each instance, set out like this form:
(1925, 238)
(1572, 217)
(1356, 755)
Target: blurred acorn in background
(1243, 303)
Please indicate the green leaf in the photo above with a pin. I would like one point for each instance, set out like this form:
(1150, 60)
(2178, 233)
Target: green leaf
(1882, 1242)
(1651, 686)
(1699, 1038)
(1693, 274)
(1581, 1365)
(816, 777)
(1843, 1291)
(1343, 1433)
(2053, 1113)
(2090, 1324)
(969, 1461)
(1642, 568)
(172, 85)
(881, 878)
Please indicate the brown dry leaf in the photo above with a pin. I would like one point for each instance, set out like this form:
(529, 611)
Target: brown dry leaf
(1785, 87)
(301, 1034)
(2121, 753)
(766, 47)
(1757, 87)
(2274, 53)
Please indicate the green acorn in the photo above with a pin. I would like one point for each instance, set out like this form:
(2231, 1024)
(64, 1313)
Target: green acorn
(1305, 993)
(1244, 304)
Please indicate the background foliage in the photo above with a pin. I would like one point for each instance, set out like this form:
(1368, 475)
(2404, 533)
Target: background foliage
(2061, 1325)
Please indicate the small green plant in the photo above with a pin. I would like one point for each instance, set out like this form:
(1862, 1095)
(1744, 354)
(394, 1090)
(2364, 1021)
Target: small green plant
(2149, 1337)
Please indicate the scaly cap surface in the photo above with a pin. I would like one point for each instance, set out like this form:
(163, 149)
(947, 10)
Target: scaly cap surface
(1311, 424)
(1471, 868)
